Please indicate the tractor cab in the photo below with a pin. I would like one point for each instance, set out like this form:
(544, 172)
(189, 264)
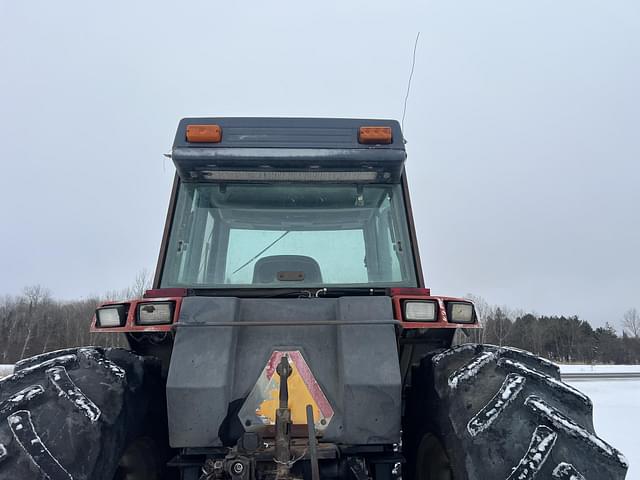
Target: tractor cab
(299, 204)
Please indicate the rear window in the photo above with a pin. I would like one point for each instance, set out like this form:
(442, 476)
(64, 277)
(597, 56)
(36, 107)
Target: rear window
(287, 236)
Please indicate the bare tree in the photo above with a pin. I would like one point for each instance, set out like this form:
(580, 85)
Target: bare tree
(482, 311)
(498, 325)
(36, 294)
(141, 284)
(631, 323)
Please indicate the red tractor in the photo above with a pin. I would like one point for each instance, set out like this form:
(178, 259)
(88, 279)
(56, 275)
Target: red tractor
(289, 335)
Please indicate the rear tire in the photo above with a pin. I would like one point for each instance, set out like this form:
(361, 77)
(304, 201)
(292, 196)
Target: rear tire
(477, 412)
(79, 414)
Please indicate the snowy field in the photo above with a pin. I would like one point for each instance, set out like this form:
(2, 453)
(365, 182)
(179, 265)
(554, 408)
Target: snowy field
(5, 370)
(616, 409)
(600, 368)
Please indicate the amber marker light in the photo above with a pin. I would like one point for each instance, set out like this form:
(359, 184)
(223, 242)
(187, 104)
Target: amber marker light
(204, 133)
(379, 135)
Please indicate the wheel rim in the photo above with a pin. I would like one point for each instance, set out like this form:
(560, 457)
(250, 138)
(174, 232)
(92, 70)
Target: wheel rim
(432, 462)
(138, 461)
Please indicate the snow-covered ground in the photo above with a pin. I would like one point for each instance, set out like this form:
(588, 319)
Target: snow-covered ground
(600, 368)
(616, 409)
(5, 370)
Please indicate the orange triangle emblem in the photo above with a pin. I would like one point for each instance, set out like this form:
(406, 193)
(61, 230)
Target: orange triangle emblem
(259, 408)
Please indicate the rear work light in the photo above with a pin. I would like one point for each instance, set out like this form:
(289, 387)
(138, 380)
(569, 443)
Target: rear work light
(321, 176)
(155, 313)
(379, 135)
(460, 312)
(204, 133)
(420, 311)
(111, 316)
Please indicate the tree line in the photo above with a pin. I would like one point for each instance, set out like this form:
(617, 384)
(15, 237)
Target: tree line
(564, 339)
(34, 322)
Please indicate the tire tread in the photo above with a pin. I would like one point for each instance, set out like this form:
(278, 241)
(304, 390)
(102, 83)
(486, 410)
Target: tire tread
(467, 397)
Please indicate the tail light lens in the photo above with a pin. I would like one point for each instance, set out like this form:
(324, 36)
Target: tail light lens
(379, 135)
(204, 133)
(420, 311)
(155, 313)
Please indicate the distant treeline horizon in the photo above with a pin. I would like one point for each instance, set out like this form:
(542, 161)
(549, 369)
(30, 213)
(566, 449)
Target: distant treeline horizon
(561, 338)
(34, 322)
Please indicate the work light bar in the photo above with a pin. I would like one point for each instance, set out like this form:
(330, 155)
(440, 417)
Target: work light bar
(271, 176)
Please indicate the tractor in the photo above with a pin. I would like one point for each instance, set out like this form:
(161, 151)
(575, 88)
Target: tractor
(289, 335)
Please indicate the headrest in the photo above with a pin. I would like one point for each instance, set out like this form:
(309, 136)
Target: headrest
(287, 269)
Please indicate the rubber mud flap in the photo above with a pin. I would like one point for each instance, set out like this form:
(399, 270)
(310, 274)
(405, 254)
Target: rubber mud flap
(478, 412)
(71, 414)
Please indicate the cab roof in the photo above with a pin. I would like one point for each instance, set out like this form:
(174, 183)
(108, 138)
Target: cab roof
(263, 145)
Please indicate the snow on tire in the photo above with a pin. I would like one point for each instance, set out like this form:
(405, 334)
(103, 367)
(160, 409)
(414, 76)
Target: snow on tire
(501, 413)
(69, 414)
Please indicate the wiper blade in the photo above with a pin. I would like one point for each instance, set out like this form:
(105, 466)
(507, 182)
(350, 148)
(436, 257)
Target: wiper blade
(260, 252)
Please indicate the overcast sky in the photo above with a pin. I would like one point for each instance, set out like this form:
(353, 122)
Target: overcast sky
(523, 127)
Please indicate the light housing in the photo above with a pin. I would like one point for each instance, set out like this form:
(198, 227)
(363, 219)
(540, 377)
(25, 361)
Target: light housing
(111, 316)
(155, 313)
(420, 311)
(461, 312)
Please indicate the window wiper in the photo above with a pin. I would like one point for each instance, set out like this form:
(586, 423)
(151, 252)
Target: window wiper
(260, 252)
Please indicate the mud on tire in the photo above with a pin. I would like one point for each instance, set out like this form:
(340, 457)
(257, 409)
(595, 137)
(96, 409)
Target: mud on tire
(70, 414)
(478, 412)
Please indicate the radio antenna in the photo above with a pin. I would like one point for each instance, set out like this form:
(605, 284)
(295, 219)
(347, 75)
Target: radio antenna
(413, 66)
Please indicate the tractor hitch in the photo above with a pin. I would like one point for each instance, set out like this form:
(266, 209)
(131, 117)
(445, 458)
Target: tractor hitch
(283, 457)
